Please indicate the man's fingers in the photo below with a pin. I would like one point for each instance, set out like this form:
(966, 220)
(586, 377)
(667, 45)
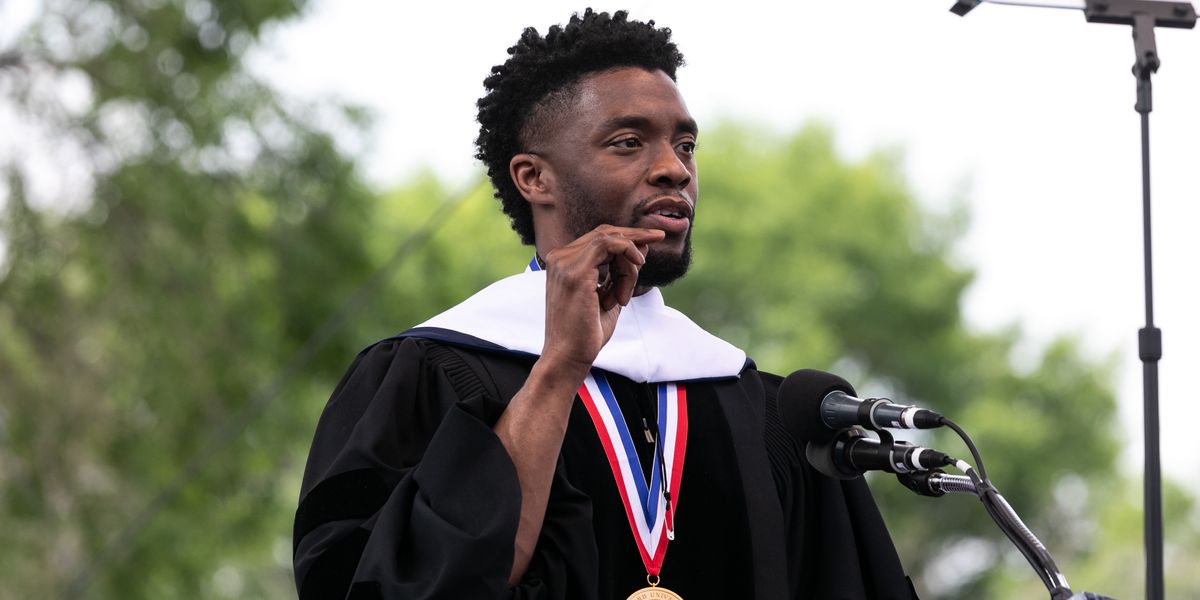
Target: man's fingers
(601, 252)
(637, 234)
(628, 274)
(617, 277)
(609, 258)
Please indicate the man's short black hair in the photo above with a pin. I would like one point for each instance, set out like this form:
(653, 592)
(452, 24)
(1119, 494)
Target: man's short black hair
(526, 95)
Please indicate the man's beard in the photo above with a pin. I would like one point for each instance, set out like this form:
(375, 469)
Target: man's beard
(661, 269)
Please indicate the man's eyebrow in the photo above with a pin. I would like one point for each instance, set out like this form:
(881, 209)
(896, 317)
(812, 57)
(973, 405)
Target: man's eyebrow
(688, 126)
(626, 122)
(639, 122)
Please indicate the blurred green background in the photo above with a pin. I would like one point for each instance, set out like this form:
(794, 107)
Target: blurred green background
(169, 334)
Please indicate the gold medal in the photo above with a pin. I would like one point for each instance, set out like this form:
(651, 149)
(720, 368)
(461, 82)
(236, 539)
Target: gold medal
(654, 592)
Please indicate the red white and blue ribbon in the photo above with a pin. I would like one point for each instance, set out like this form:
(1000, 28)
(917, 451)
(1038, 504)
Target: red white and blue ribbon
(649, 501)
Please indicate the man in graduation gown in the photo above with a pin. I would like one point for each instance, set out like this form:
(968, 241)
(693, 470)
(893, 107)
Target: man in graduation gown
(563, 434)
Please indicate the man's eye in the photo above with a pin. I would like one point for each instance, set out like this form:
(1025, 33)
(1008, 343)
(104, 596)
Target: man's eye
(688, 147)
(627, 143)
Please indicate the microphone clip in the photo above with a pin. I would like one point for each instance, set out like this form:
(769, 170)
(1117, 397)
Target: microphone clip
(885, 450)
(851, 452)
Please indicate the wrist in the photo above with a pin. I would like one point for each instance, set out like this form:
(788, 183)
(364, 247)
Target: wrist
(555, 371)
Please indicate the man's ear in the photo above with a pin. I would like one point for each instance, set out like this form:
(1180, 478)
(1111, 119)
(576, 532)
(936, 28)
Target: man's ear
(533, 177)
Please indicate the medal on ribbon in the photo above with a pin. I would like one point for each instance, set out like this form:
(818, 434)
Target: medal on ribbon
(649, 501)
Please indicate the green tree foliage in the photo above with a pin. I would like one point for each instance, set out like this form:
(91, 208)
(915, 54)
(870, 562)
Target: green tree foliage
(220, 229)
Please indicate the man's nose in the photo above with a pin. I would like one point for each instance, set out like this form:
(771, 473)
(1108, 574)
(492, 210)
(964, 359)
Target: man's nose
(669, 168)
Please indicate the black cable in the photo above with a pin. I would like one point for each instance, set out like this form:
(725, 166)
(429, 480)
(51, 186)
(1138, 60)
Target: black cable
(1057, 583)
(970, 446)
(123, 541)
(1022, 530)
(984, 489)
(1000, 512)
(1003, 515)
(1019, 534)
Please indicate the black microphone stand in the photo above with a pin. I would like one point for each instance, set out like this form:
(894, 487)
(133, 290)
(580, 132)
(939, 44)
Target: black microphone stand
(935, 483)
(1143, 16)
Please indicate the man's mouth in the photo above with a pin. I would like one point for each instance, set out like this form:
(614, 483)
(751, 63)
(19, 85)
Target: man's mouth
(672, 215)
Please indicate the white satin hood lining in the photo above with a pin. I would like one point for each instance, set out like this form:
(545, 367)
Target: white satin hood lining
(652, 342)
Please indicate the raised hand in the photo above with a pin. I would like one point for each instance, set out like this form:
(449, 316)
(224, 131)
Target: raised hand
(587, 283)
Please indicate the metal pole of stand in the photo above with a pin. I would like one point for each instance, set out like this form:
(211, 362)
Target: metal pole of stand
(1143, 16)
(1150, 350)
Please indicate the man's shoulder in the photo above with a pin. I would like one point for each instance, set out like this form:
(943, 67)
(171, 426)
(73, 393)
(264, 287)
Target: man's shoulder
(444, 342)
(770, 380)
(470, 364)
(762, 382)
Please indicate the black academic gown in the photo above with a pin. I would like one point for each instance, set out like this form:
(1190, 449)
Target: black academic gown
(409, 494)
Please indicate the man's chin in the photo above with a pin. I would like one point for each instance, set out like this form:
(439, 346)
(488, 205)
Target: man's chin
(663, 268)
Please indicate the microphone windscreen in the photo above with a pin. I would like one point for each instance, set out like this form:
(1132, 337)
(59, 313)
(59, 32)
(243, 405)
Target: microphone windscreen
(800, 397)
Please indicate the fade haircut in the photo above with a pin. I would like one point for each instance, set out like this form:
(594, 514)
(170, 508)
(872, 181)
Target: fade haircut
(527, 96)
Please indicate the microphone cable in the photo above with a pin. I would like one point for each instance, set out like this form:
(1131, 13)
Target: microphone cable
(970, 445)
(1003, 514)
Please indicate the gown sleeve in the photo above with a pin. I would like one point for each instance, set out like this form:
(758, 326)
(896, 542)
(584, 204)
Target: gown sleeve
(407, 492)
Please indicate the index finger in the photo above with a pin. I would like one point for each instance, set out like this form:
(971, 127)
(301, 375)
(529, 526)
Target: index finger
(637, 234)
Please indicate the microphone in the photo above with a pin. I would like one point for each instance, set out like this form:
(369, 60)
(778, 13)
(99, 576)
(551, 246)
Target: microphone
(851, 453)
(814, 404)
